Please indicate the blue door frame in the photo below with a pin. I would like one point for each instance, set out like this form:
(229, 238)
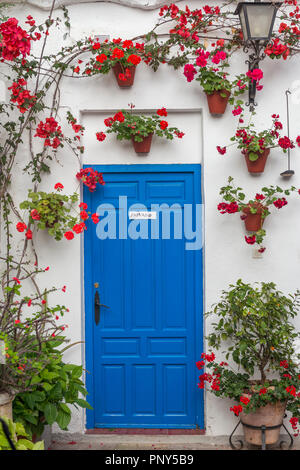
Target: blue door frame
(89, 292)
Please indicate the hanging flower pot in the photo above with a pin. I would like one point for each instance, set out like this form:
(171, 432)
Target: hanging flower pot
(270, 415)
(256, 162)
(217, 103)
(144, 146)
(254, 222)
(130, 126)
(124, 75)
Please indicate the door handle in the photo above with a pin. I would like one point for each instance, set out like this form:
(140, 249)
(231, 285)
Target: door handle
(97, 307)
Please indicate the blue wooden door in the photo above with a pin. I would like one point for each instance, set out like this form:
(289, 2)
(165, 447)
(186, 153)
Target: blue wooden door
(141, 355)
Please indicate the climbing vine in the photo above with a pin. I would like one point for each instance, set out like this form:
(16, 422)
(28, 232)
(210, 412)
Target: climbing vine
(201, 42)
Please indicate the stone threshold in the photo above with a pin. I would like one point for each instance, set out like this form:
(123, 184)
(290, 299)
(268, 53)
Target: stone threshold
(144, 431)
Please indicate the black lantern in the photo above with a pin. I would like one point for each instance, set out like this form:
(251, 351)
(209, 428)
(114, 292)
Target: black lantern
(257, 21)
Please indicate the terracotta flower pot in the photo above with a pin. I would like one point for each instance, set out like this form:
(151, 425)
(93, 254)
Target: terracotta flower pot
(270, 415)
(6, 405)
(258, 165)
(144, 146)
(254, 222)
(217, 103)
(120, 69)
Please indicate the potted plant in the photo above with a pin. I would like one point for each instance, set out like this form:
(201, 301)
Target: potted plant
(18, 436)
(255, 326)
(52, 390)
(254, 211)
(53, 211)
(209, 70)
(255, 146)
(139, 128)
(120, 56)
(40, 385)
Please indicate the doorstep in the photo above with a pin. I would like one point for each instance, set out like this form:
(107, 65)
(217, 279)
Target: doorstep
(183, 442)
(144, 431)
(138, 442)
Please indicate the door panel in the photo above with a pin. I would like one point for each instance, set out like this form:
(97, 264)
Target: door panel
(141, 356)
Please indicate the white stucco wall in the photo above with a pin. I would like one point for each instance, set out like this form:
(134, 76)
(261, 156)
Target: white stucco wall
(227, 257)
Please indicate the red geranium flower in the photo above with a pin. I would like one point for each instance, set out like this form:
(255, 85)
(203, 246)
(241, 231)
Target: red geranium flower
(21, 226)
(250, 240)
(28, 235)
(69, 235)
(84, 215)
(134, 59)
(100, 136)
(162, 112)
(244, 400)
(119, 117)
(95, 218)
(35, 215)
(163, 125)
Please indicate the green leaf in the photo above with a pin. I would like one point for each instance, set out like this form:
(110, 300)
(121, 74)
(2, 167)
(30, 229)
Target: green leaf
(50, 413)
(83, 403)
(63, 419)
(253, 156)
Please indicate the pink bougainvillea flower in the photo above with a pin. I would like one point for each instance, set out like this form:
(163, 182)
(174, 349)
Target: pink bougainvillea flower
(236, 111)
(17, 322)
(189, 72)
(29, 303)
(16, 280)
(21, 95)
(221, 150)
(255, 74)
(14, 40)
(64, 288)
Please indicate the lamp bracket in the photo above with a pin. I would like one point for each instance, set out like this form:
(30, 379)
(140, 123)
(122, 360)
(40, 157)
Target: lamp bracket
(253, 62)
